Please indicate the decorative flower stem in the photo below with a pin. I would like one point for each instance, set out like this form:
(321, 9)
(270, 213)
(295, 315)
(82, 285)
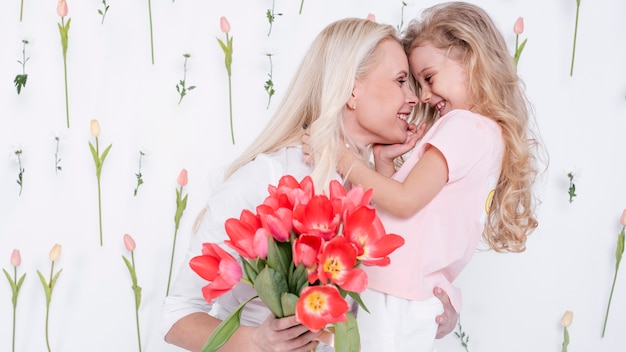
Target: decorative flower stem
(572, 187)
(269, 84)
(130, 245)
(20, 175)
(105, 9)
(138, 174)
(48, 286)
(180, 87)
(98, 161)
(228, 60)
(21, 10)
(20, 80)
(16, 284)
(151, 40)
(404, 4)
(57, 160)
(462, 336)
(301, 5)
(618, 258)
(571, 70)
(271, 16)
(64, 29)
(181, 204)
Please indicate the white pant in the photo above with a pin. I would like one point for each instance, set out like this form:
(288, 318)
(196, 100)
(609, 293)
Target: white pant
(397, 325)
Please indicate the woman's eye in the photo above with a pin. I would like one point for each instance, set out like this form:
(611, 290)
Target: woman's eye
(402, 81)
(428, 78)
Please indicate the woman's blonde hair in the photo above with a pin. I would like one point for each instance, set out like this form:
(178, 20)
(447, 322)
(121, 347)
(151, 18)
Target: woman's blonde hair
(469, 36)
(316, 98)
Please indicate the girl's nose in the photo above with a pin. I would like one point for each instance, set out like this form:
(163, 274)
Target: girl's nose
(425, 95)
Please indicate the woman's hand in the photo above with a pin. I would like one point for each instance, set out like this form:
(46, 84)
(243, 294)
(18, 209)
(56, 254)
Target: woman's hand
(285, 335)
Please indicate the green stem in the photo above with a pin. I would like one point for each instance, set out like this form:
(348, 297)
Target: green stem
(14, 308)
(132, 257)
(67, 104)
(99, 196)
(151, 40)
(21, 10)
(606, 317)
(301, 5)
(230, 104)
(48, 307)
(169, 278)
(571, 71)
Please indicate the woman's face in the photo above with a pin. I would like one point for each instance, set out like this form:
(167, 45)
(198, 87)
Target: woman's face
(382, 100)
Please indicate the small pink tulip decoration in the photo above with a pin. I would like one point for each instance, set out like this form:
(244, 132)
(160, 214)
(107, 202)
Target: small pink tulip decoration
(518, 29)
(129, 243)
(227, 47)
(16, 260)
(181, 204)
(64, 28)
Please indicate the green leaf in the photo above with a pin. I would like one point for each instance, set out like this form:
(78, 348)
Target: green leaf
(279, 255)
(289, 301)
(46, 288)
(269, 285)
(249, 270)
(225, 330)
(347, 338)
(357, 298)
(131, 269)
(94, 154)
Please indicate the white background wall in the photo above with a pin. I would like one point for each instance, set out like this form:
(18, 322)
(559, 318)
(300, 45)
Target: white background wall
(512, 302)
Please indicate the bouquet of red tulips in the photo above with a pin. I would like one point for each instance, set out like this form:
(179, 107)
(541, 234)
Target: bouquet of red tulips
(301, 252)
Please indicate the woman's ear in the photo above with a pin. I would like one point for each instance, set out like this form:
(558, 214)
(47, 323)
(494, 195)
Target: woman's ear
(353, 100)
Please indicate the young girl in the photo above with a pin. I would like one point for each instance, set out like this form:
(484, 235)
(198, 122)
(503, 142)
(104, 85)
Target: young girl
(471, 174)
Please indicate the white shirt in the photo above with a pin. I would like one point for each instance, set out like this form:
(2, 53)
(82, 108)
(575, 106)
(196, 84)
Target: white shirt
(245, 189)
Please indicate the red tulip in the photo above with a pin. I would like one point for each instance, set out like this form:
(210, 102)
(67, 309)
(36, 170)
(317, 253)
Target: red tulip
(129, 243)
(319, 306)
(219, 268)
(337, 263)
(365, 230)
(182, 178)
(247, 236)
(317, 217)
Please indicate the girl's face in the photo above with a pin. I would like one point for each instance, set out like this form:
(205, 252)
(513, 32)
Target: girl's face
(382, 101)
(442, 79)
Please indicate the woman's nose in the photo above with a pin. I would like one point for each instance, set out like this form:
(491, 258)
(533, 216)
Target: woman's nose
(409, 97)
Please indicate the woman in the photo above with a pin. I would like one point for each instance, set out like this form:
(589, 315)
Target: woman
(350, 90)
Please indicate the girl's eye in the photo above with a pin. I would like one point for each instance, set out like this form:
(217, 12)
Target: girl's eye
(402, 81)
(428, 78)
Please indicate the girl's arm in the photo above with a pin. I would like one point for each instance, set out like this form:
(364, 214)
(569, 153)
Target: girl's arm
(402, 199)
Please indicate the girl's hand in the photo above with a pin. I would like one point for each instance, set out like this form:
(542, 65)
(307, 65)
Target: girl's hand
(285, 335)
(388, 152)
